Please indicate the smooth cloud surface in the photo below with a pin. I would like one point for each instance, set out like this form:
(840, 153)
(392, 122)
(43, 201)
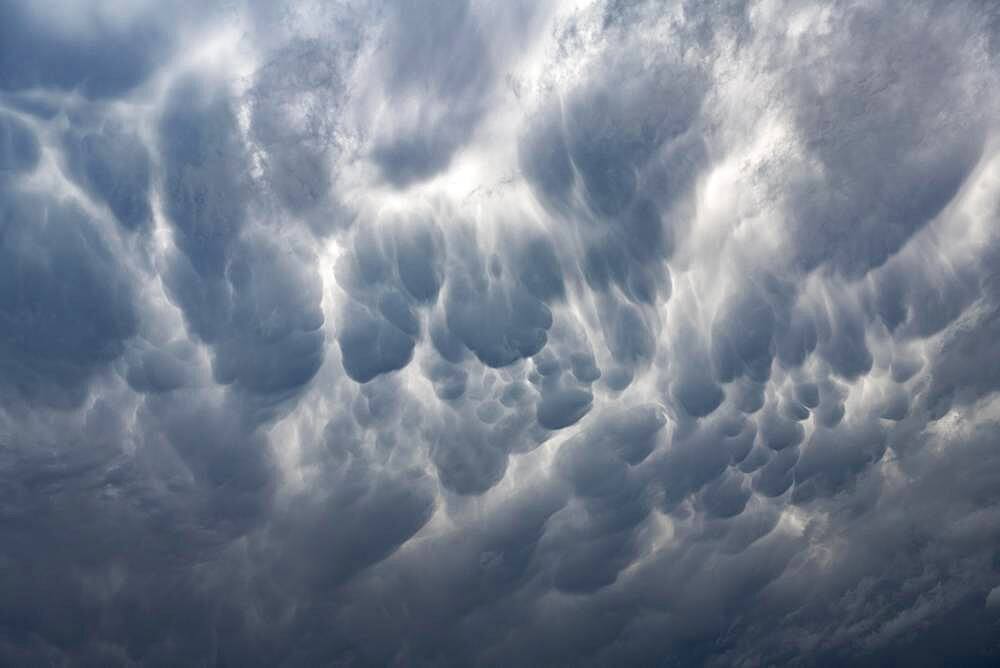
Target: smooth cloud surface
(466, 333)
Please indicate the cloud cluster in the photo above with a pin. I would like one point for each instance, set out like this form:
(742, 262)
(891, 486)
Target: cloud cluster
(461, 333)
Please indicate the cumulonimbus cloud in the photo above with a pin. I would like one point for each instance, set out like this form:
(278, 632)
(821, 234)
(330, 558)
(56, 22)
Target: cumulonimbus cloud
(461, 333)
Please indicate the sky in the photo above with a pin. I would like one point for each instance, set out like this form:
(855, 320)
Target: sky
(469, 333)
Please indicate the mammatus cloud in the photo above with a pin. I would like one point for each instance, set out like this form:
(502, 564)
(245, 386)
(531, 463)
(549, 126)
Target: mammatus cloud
(596, 333)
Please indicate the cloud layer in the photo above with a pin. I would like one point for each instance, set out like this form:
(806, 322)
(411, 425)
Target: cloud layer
(464, 333)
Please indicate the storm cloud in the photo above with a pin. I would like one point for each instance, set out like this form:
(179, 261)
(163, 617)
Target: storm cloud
(596, 333)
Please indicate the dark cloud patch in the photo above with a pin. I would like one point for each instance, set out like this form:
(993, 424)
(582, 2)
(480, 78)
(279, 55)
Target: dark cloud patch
(163, 369)
(698, 396)
(776, 476)
(66, 303)
(256, 300)
(296, 103)
(808, 394)
(828, 463)
(113, 164)
(896, 404)
(449, 380)
(742, 339)
(544, 157)
(226, 464)
(630, 433)
(693, 386)
(561, 408)
(275, 339)
(395, 309)
(436, 57)
(19, 149)
(499, 321)
(205, 163)
(958, 373)
(33, 105)
(99, 58)
(725, 497)
(609, 264)
(538, 269)
(843, 342)
(693, 460)
(370, 345)
(418, 258)
(602, 525)
(134, 499)
(796, 336)
(628, 334)
(861, 215)
(584, 367)
(359, 496)
(922, 304)
(612, 134)
(778, 432)
(392, 273)
(470, 456)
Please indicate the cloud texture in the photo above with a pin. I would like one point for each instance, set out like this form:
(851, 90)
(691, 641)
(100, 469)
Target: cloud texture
(434, 333)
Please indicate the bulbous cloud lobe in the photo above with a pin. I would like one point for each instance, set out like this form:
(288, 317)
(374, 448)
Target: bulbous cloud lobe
(594, 333)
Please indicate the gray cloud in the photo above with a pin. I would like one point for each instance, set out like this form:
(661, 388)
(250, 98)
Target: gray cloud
(84, 52)
(434, 53)
(377, 333)
(67, 305)
(20, 146)
(114, 165)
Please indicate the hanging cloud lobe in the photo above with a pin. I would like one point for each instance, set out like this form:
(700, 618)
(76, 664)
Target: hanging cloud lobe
(593, 333)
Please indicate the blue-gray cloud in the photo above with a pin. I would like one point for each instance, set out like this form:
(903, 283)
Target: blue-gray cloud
(450, 333)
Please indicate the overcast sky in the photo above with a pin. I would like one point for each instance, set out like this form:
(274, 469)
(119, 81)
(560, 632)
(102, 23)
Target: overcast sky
(499, 333)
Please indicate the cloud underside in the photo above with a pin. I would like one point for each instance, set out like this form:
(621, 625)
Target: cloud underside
(445, 333)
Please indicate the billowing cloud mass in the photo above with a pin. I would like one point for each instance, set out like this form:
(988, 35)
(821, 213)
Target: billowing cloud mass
(468, 333)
